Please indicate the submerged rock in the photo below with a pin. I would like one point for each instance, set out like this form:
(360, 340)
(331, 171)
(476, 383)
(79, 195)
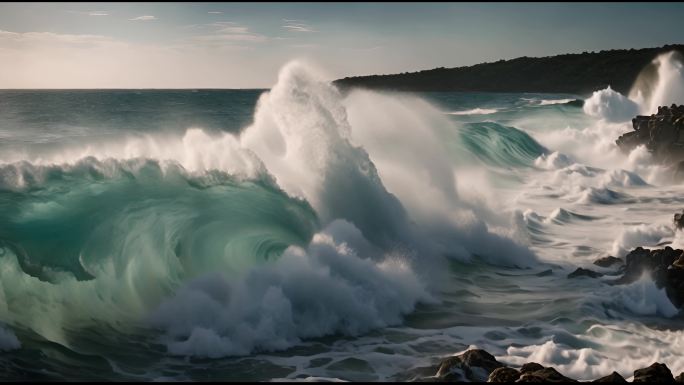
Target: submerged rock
(473, 365)
(657, 372)
(581, 272)
(503, 375)
(608, 261)
(613, 377)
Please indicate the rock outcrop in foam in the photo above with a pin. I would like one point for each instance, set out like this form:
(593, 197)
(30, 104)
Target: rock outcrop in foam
(662, 134)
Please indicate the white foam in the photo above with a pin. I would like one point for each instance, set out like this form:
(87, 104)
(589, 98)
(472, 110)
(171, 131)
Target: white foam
(644, 298)
(611, 106)
(324, 289)
(547, 102)
(474, 111)
(640, 235)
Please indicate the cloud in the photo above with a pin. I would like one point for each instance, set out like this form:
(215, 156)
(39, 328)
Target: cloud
(10, 39)
(98, 13)
(215, 12)
(226, 32)
(297, 26)
(143, 18)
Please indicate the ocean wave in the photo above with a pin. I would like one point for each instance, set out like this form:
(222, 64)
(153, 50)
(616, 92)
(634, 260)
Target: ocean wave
(640, 235)
(323, 289)
(239, 231)
(501, 146)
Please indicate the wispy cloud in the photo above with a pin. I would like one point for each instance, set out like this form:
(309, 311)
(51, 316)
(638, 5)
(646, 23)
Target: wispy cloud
(32, 42)
(98, 13)
(226, 32)
(297, 26)
(215, 12)
(144, 18)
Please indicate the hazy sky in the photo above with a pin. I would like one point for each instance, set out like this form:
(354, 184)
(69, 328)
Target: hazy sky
(234, 45)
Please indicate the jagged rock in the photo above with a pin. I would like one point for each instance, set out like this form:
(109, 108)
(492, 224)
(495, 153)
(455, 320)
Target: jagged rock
(474, 365)
(679, 220)
(613, 377)
(581, 272)
(666, 267)
(657, 372)
(640, 260)
(544, 375)
(608, 261)
(503, 375)
(662, 134)
(531, 367)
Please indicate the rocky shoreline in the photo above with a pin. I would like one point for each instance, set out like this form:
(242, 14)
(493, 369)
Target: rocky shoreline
(477, 365)
(663, 136)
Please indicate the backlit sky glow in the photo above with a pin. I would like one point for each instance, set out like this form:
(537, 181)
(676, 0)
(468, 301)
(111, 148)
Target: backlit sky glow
(242, 45)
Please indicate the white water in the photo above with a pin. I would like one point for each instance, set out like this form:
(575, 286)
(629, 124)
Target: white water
(393, 201)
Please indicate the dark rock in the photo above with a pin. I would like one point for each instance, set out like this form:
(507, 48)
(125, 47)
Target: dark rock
(657, 372)
(679, 219)
(662, 134)
(674, 283)
(474, 365)
(503, 375)
(608, 261)
(666, 267)
(531, 367)
(640, 260)
(613, 377)
(580, 272)
(544, 375)
(680, 377)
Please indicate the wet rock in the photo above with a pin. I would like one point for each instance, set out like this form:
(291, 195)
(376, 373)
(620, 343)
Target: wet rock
(657, 372)
(640, 260)
(679, 219)
(608, 261)
(473, 365)
(674, 283)
(544, 375)
(503, 375)
(680, 377)
(531, 367)
(666, 267)
(613, 377)
(581, 272)
(662, 134)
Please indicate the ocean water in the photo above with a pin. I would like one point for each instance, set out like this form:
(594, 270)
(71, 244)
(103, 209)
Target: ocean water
(302, 233)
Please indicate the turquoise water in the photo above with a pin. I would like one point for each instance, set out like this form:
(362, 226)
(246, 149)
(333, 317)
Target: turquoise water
(211, 235)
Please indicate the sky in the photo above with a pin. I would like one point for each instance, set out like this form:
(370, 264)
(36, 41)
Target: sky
(243, 45)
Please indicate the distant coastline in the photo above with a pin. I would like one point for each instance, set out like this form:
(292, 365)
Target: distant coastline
(569, 73)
